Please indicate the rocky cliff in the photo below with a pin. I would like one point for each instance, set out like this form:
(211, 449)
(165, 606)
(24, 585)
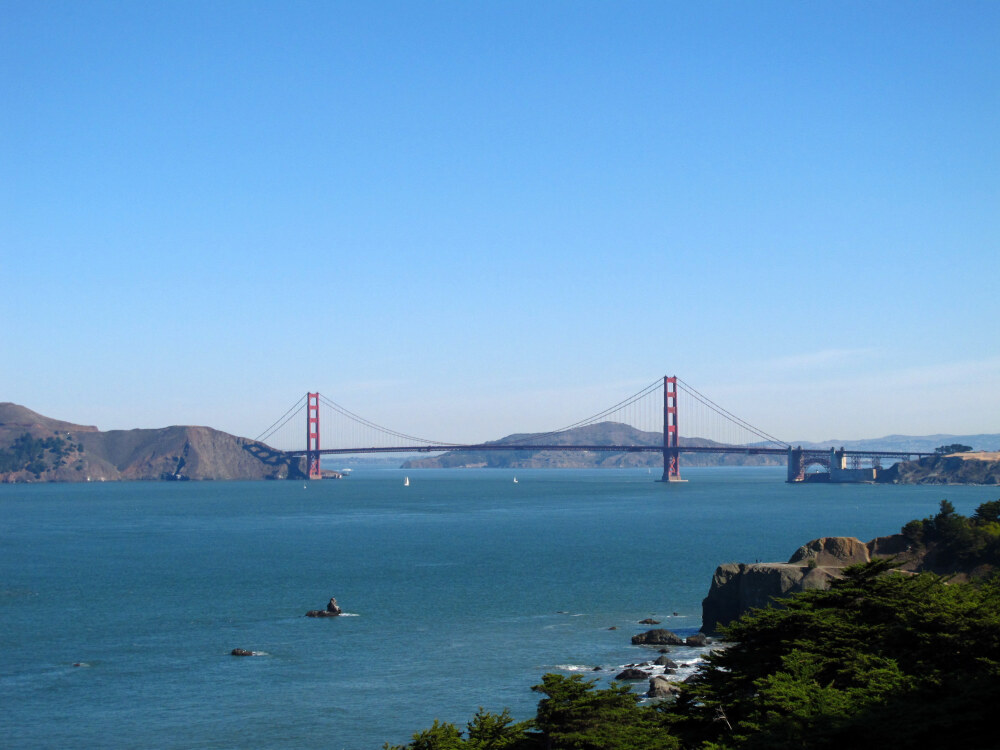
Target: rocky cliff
(737, 587)
(956, 468)
(35, 448)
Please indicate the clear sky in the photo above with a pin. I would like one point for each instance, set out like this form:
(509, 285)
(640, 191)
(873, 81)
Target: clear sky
(464, 219)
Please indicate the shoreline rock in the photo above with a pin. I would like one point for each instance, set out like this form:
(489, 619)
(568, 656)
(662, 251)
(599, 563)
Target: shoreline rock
(657, 637)
(661, 687)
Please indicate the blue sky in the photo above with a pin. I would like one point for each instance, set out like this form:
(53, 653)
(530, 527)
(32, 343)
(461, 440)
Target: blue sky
(464, 219)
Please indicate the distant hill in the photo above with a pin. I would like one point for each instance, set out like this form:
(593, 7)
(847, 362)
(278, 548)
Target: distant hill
(978, 467)
(917, 443)
(603, 433)
(35, 448)
(615, 433)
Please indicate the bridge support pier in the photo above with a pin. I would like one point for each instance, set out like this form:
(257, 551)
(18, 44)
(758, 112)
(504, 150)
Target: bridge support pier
(671, 438)
(313, 470)
(796, 468)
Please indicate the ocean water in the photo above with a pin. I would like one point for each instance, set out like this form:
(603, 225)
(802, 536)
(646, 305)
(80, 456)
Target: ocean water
(462, 590)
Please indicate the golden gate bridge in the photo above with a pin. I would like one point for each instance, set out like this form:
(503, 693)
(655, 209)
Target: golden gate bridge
(645, 422)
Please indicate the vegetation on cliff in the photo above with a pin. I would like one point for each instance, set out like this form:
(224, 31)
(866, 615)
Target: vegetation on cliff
(36, 455)
(880, 659)
(950, 542)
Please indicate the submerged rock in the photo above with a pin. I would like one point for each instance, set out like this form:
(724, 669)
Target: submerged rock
(649, 621)
(241, 652)
(631, 674)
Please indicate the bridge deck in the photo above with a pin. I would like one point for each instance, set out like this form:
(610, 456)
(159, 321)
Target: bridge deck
(740, 449)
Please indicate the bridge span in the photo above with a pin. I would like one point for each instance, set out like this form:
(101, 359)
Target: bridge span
(836, 465)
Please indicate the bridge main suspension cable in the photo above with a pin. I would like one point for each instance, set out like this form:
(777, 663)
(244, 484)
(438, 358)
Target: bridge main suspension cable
(643, 412)
(378, 428)
(711, 405)
(282, 420)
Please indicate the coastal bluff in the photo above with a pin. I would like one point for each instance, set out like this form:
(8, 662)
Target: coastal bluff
(974, 467)
(738, 587)
(36, 448)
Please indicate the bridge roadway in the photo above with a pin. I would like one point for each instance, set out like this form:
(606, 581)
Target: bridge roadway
(741, 449)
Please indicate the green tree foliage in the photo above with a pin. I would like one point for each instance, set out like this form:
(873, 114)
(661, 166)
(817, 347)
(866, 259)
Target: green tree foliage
(573, 715)
(486, 731)
(441, 736)
(987, 513)
(960, 541)
(953, 448)
(576, 716)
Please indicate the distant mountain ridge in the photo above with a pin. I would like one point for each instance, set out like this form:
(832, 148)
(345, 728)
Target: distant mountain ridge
(36, 448)
(616, 433)
(602, 433)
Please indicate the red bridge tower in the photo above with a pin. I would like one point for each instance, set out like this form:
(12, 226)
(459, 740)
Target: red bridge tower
(312, 437)
(671, 438)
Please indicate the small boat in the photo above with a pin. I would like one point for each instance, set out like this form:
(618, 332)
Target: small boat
(406, 482)
(515, 480)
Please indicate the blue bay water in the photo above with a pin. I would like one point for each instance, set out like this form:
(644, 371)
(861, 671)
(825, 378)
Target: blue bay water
(463, 589)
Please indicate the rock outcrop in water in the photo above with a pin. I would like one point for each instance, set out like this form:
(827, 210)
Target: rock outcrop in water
(657, 637)
(332, 610)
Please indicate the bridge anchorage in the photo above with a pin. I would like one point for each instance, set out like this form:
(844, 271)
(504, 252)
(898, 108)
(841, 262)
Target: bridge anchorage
(646, 422)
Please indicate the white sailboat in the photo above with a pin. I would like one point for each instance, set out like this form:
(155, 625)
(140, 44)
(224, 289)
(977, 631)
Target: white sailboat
(515, 480)
(406, 482)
